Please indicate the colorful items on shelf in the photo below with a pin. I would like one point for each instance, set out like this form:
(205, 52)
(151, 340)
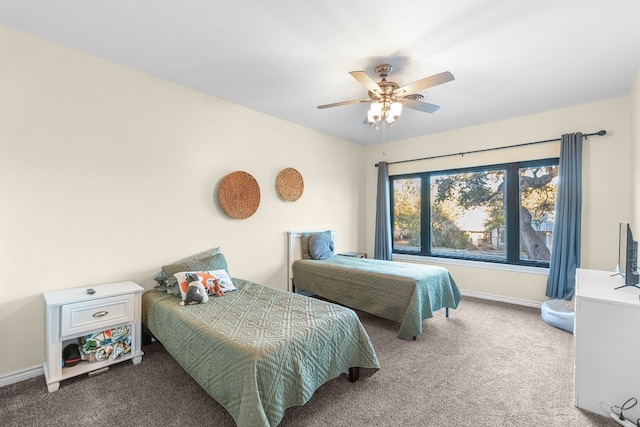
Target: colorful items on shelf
(108, 344)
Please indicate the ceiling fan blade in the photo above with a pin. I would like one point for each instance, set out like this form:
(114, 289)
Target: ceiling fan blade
(338, 104)
(420, 106)
(366, 81)
(422, 84)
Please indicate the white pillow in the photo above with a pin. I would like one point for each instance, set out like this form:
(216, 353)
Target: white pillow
(206, 277)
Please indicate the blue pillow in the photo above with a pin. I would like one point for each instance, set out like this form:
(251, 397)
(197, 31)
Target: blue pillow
(320, 246)
(305, 243)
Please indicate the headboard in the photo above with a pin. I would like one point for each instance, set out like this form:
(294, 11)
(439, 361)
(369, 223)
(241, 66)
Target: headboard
(294, 252)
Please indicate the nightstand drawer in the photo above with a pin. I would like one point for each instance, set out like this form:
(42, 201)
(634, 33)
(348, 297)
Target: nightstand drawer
(95, 314)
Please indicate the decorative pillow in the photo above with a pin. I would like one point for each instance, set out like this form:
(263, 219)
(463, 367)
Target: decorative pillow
(225, 281)
(215, 262)
(320, 246)
(206, 277)
(304, 240)
(161, 278)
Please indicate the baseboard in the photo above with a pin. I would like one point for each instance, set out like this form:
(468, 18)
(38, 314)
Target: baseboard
(22, 375)
(498, 298)
(37, 371)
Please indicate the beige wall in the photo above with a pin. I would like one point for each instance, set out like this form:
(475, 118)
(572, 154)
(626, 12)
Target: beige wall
(606, 181)
(635, 156)
(107, 173)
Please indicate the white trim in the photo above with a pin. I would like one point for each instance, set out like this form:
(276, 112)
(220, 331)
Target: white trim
(478, 264)
(294, 250)
(22, 375)
(38, 371)
(466, 263)
(499, 298)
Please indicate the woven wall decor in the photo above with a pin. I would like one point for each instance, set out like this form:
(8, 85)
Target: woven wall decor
(239, 195)
(290, 184)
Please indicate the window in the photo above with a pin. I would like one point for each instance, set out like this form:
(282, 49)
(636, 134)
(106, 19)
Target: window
(500, 213)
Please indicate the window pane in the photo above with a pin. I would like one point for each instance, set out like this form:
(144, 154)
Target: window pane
(406, 214)
(468, 214)
(538, 187)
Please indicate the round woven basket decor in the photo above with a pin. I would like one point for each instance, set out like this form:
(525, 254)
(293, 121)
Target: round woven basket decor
(239, 195)
(290, 184)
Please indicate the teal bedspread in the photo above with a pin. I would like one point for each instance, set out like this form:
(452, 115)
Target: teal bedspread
(403, 292)
(258, 351)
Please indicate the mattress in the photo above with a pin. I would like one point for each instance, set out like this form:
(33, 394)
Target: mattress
(403, 292)
(259, 350)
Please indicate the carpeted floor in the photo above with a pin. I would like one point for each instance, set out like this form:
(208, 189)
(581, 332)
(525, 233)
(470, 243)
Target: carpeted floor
(488, 364)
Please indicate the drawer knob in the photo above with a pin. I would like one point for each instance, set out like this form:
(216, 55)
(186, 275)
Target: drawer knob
(100, 313)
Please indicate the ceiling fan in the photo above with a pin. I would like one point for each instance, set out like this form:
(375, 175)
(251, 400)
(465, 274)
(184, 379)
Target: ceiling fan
(387, 98)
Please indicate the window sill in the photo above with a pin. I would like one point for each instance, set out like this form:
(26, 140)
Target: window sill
(475, 264)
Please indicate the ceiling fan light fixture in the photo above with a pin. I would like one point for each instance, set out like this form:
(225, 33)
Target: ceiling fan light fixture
(386, 98)
(376, 109)
(371, 119)
(396, 108)
(394, 112)
(375, 113)
(390, 112)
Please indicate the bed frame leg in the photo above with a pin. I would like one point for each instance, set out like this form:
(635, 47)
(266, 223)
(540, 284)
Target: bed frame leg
(354, 374)
(447, 311)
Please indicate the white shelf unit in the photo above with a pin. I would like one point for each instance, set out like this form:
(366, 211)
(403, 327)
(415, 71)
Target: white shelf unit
(73, 313)
(607, 342)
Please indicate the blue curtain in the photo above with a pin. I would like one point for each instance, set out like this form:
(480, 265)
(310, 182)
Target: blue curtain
(382, 248)
(565, 253)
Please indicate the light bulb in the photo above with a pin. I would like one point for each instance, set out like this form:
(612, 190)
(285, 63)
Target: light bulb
(395, 110)
(370, 118)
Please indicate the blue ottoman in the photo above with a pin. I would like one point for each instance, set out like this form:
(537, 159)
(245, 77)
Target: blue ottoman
(555, 313)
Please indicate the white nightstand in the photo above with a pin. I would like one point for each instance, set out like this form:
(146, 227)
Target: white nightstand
(354, 254)
(74, 313)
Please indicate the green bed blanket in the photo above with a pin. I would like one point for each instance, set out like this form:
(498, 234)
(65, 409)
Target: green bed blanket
(403, 292)
(259, 350)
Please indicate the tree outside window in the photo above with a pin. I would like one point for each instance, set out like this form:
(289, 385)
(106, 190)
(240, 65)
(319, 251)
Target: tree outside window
(500, 213)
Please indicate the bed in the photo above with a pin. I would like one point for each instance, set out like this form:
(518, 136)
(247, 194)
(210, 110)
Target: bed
(257, 350)
(403, 292)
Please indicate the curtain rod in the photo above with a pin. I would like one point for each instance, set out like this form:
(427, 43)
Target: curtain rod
(599, 133)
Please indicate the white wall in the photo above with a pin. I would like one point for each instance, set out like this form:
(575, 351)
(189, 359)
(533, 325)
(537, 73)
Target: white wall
(606, 181)
(106, 174)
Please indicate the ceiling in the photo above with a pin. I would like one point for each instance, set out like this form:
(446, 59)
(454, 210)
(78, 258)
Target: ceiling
(285, 57)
